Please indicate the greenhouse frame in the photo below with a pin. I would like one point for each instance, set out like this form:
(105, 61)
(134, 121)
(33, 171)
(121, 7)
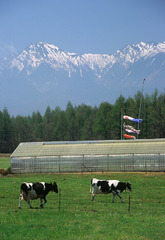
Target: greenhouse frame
(89, 156)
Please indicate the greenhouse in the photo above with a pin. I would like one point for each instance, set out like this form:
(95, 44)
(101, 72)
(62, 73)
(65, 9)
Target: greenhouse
(89, 156)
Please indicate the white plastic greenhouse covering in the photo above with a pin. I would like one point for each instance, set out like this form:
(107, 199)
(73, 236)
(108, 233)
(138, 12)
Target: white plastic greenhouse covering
(89, 156)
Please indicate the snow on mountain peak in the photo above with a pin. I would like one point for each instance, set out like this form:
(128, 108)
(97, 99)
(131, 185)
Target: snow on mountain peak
(161, 47)
(133, 53)
(51, 46)
(36, 54)
(16, 63)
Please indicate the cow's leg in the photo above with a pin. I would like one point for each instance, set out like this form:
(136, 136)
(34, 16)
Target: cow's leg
(20, 199)
(42, 205)
(114, 194)
(118, 194)
(28, 201)
(41, 202)
(93, 197)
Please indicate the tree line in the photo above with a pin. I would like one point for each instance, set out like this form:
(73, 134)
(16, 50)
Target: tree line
(84, 122)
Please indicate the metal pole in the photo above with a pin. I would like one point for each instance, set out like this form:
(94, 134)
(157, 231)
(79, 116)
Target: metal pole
(141, 103)
(59, 199)
(122, 123)
(129, 203)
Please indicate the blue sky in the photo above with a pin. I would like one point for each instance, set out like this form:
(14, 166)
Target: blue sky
(95, 26)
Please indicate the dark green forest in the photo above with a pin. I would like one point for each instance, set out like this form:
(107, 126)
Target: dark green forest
(84, 122)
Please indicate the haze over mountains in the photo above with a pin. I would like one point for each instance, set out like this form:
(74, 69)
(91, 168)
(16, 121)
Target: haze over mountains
(43, 75)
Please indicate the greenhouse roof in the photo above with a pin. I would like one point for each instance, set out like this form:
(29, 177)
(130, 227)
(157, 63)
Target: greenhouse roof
(111, 147)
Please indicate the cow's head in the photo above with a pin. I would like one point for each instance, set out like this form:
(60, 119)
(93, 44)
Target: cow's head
(128, 186)
(54, 187)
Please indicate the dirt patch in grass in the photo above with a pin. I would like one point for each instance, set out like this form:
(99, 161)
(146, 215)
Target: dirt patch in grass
(6, 155)
(5, 172)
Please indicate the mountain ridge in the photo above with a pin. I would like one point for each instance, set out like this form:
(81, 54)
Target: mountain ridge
(52, 54)
(57, 77)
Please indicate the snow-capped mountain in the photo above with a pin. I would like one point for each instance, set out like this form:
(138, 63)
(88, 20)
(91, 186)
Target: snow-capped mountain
(43, 75)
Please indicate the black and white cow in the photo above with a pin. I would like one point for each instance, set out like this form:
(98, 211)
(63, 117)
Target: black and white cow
(108, 186)
(31, 191)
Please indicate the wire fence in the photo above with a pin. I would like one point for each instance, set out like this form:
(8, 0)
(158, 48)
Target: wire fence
(89, 163)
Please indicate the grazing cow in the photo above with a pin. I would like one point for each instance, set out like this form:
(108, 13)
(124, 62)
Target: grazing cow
(31, 191)
(108, 186)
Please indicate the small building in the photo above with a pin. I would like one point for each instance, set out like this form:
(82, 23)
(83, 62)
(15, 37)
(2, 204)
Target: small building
(89, 156)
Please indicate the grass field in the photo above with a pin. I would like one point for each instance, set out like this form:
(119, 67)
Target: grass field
(4, 162)
(79, 217)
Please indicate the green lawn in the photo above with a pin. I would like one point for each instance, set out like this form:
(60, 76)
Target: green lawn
(79, 217)
(4, 162)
